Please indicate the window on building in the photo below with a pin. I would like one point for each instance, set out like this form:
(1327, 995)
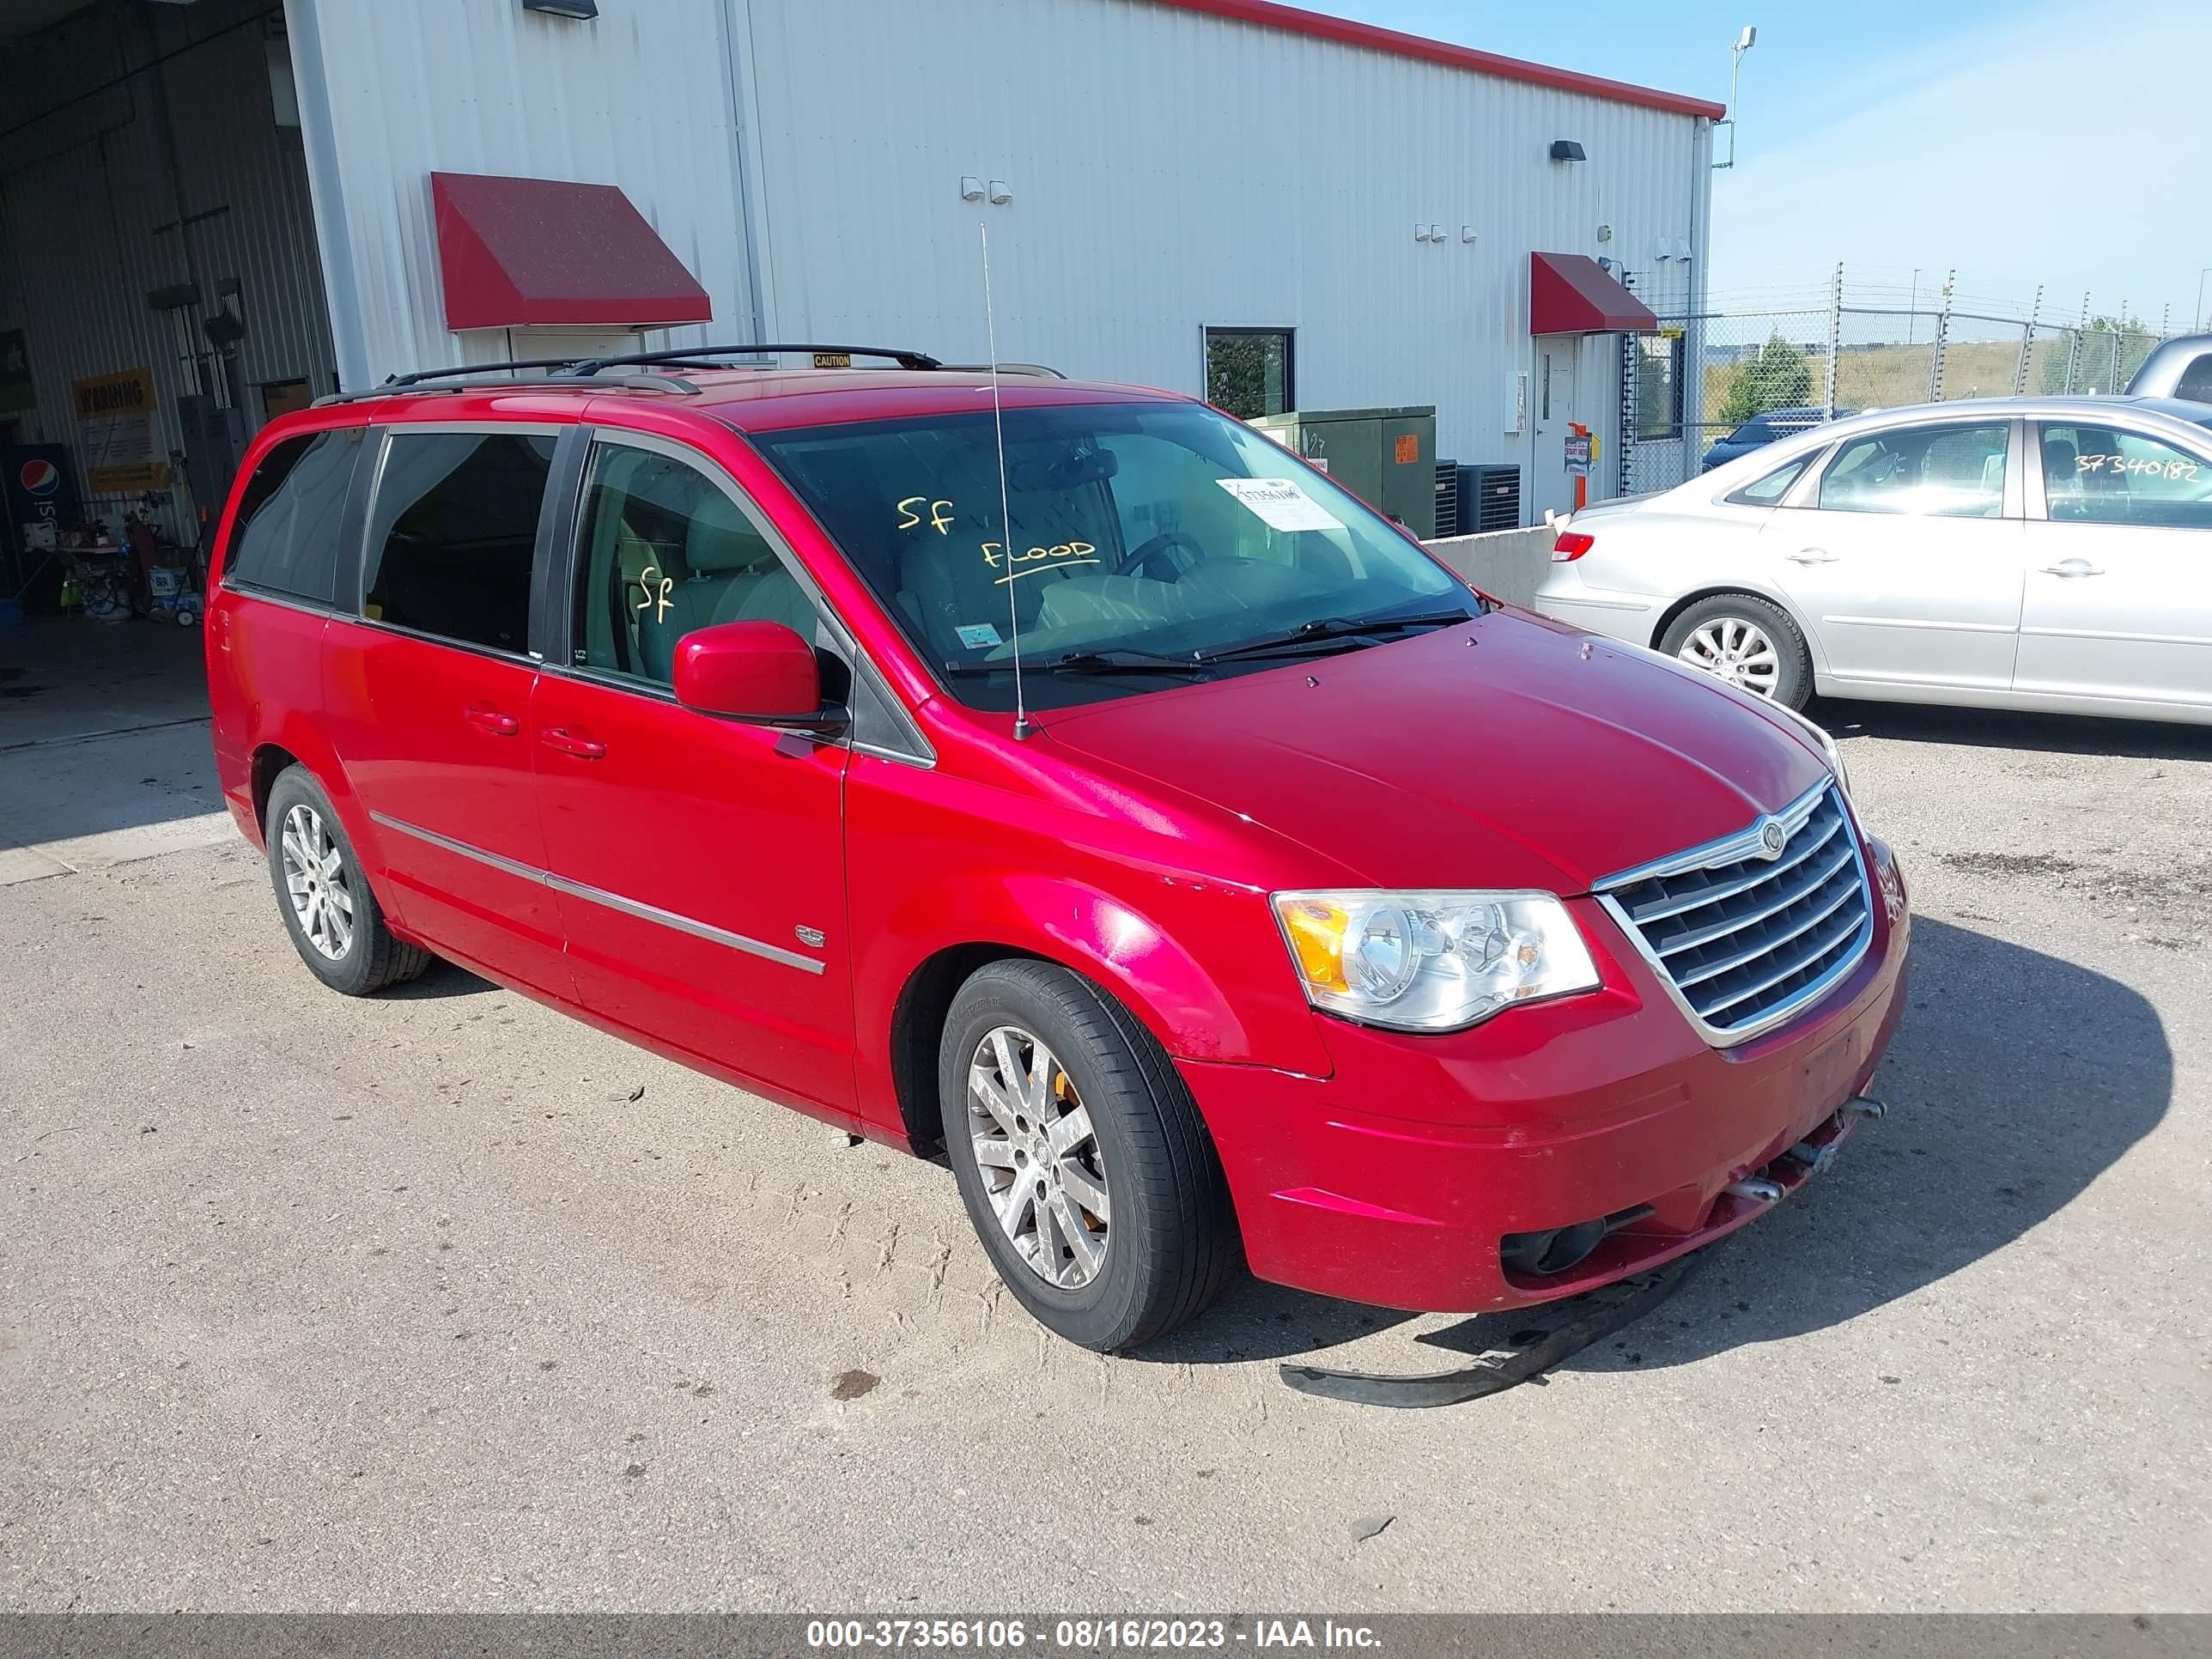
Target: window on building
(665, 551)
(452, 534)
(286, 537)
(2094, 475)
(1658, 386)
(1248, 371)
(1944, 471)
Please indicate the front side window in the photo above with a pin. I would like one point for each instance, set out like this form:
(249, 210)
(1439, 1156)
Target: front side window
(2096, 475)
(452, 534)
(1148, 539)
(664, 551)
(1248, 371)
(1944, 471)
(285, 536)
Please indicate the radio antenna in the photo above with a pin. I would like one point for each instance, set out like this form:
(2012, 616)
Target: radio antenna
(1022, 727)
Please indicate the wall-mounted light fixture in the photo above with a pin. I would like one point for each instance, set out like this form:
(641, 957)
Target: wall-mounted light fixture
(971, 188)
(1604, 233)
(1466, 233)
(1566, 150)
(580, 11)
(1001, 192)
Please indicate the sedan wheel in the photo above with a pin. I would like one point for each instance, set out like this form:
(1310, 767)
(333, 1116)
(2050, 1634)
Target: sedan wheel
(1735, 649)
(1044, 1175)
(317, 882)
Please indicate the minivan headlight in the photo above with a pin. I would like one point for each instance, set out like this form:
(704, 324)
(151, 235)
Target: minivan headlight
(1431, 960)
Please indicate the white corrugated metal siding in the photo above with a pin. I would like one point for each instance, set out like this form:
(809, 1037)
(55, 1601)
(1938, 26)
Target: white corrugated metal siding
(1172, 170)
(641, 98)
(89, 207)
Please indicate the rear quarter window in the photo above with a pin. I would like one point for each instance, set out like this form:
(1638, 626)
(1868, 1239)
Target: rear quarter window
(286, 537)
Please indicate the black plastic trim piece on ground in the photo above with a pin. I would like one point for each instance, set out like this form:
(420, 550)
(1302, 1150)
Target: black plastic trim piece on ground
(1594, 1314)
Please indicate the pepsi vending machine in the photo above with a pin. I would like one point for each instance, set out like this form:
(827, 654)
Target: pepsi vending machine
(41, 503)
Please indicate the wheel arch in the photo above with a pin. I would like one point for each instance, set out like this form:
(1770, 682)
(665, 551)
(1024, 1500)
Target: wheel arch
(1748, 590)
(1129, 956)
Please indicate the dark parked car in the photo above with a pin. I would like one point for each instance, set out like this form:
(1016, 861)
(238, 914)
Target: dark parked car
(1764, 428)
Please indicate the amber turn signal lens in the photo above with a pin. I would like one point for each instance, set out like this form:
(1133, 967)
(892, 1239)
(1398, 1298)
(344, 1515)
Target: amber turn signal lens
(1317, 931)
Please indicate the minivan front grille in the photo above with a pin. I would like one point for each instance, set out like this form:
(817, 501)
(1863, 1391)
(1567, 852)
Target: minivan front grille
(1748, 930)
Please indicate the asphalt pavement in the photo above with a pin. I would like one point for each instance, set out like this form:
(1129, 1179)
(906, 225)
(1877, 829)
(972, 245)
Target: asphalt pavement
(442, 1301)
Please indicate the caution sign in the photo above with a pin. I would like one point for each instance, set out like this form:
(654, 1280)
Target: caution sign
(115, 423)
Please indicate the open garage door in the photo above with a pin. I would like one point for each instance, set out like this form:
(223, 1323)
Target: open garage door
(159, 292)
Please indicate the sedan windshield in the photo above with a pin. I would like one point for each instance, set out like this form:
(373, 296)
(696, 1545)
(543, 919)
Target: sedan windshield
(1152, 544)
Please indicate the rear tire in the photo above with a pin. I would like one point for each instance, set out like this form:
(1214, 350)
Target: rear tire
(1750, 643)
(1085, 1167)
(333, 918)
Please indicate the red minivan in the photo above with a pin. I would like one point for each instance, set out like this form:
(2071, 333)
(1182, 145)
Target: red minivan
(1066, 777)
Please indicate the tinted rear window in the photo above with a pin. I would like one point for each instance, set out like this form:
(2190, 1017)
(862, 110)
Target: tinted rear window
(452, 534)
(285, 538)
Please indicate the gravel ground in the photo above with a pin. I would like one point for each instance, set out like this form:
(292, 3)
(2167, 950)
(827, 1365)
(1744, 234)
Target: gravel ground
(407, 1304)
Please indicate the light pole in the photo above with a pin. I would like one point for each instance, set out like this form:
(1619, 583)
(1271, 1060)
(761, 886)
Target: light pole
(2197, 316)
(1744, 42)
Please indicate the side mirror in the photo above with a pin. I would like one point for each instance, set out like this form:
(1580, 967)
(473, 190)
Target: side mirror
(761, 672)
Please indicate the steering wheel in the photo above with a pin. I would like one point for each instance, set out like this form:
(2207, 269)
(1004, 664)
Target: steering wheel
(1143, 554)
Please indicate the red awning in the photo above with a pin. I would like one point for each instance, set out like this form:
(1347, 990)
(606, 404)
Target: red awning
(1571, 294)
(522, 251)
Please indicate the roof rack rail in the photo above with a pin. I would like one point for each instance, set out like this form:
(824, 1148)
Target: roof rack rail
(485, 377)
(1045, 371)
(700, 354)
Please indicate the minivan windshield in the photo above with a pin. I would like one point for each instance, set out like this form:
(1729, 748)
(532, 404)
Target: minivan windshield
(1152, 544)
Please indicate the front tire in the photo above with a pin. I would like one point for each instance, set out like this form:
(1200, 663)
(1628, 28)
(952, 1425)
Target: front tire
(1083, 1161)
(1751, 643)
(334, 919)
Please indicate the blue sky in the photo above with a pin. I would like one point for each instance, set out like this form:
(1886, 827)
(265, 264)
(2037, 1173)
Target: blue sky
(2020, 142)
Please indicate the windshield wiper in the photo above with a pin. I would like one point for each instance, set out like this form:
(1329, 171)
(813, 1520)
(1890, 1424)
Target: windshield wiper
(1329, 633)
(1119, 661)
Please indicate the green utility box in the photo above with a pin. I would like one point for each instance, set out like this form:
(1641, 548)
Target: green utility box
(1386, 456)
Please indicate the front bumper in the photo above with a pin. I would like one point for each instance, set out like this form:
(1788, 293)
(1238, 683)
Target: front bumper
(1393, 1180)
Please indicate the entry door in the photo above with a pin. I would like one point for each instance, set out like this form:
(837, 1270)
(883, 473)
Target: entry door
(699, 863)
(2120, 578)
(1559, 360)
(1905, 560)
(428, 697)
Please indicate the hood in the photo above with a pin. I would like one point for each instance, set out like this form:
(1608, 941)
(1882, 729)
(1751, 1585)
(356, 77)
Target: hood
(1508, 751)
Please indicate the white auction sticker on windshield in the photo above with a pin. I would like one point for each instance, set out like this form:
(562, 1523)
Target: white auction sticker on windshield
(1280, 503)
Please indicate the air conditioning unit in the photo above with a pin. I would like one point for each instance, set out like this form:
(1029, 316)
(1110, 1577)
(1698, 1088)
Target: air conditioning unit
(1447, 499)
(1489, 498)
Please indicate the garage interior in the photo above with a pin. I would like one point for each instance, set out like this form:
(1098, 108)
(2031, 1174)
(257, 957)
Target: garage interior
(160, 296)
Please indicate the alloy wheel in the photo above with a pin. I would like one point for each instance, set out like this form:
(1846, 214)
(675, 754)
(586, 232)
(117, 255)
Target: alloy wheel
(1735, 649)
(316, 879)
(1044, 1175)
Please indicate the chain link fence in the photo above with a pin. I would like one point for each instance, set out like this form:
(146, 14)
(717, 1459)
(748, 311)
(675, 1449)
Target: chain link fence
(1710, 387)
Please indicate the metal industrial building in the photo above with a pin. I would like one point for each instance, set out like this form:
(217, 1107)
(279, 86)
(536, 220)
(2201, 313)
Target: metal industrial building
(211, 210)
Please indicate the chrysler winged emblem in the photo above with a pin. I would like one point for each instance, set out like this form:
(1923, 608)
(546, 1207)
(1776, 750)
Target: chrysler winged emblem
(1772, 837)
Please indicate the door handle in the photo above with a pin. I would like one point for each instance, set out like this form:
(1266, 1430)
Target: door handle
(490, 719)
(2071, 568)
(560, 737)
(1812, 555)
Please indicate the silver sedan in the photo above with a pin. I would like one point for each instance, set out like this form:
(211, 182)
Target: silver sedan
(2049, 553)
